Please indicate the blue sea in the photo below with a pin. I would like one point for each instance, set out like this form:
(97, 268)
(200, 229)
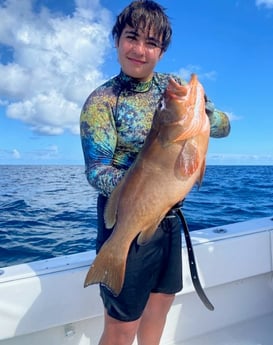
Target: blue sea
(48, 211)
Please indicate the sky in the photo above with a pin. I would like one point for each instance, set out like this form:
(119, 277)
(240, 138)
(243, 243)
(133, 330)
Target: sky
(53, 54)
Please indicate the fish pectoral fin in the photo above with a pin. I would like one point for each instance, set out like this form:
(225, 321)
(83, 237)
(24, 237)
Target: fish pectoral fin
(189, 160)
(110, 212)
(145, 236)
(108, 269)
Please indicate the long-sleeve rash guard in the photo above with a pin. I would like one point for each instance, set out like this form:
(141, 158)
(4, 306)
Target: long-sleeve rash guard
(115, 121)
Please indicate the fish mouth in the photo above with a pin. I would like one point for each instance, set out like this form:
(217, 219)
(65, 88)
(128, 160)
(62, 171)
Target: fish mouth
(175, 90)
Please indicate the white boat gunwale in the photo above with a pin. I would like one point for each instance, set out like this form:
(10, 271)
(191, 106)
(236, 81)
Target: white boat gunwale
(47, 297)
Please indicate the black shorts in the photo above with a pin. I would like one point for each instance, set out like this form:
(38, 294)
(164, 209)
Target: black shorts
(153, 267)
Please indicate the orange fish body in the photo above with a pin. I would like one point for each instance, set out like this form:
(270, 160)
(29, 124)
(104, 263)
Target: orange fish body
(171, 161)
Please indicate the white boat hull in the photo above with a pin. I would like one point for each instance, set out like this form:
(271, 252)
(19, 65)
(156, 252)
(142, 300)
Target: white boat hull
(45, 303)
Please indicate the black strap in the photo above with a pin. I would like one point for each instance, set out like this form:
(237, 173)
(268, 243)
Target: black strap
(192, 263)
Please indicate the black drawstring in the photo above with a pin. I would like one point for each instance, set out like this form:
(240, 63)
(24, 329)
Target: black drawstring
(192, 263)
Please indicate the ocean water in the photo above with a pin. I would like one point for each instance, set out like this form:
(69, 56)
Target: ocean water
(48, 211)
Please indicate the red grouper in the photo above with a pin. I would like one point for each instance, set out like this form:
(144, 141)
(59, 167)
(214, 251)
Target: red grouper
(171, 161)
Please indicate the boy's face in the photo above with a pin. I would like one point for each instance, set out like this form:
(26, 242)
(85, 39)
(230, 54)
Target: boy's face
(138, 53)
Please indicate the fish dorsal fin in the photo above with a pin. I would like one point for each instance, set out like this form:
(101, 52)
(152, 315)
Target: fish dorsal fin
(188, 160)
(110, 213)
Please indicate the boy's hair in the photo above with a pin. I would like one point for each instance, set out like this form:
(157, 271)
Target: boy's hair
(145, 15)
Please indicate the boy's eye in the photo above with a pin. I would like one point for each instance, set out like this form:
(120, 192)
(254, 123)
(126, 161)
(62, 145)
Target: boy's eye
(152, 44)
(131, 37)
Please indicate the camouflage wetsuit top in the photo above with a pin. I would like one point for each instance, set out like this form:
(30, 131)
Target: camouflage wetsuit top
(115, 121)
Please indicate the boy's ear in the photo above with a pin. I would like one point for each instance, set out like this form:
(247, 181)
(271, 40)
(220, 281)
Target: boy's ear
(116, 42)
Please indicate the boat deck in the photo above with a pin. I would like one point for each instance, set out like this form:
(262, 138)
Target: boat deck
(254, 332)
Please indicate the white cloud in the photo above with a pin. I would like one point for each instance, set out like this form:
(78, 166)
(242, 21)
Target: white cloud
(233, 117)
(266, 3)
(42, 154)
(10, 155)
(56, 62)
(16, 154)
(48, 113)
(49, 152)
(239, 159)
(185, 73)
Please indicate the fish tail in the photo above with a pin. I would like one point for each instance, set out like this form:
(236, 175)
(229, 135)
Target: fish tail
(108, 268)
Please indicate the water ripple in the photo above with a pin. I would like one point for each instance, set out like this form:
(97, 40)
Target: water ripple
(47, 211)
